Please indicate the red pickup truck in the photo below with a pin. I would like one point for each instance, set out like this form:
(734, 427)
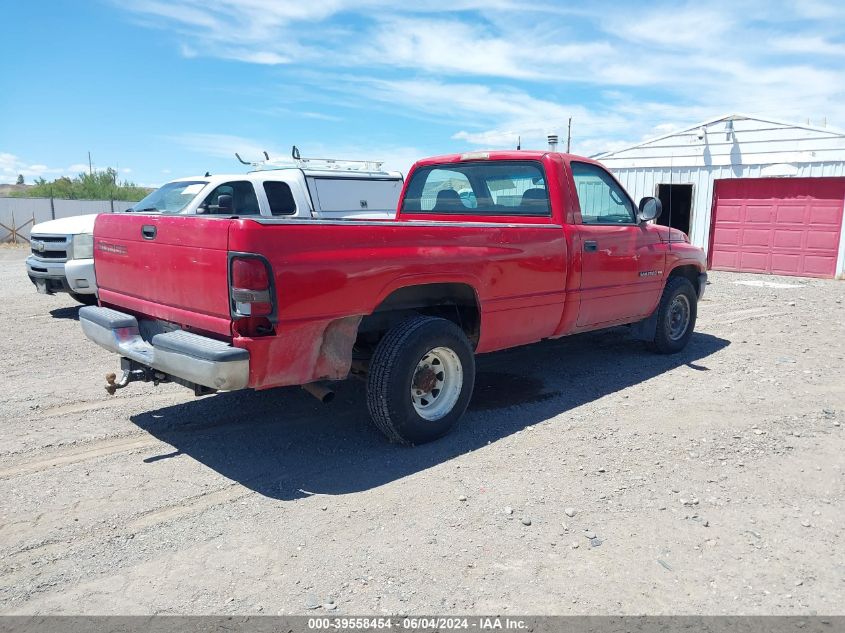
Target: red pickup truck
(489, 250)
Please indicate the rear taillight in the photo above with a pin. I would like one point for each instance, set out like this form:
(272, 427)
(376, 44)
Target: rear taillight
(250, 287)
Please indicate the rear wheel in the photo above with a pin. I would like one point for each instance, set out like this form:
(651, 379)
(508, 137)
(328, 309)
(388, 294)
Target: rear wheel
(88, 300)
(420, 380)
(676, 316)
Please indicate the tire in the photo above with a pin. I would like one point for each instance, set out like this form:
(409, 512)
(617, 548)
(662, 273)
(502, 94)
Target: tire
(88, 300)
(679, 303)
(408, 356)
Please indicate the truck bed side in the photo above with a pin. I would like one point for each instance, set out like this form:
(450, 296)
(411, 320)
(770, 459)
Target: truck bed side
(329, 275)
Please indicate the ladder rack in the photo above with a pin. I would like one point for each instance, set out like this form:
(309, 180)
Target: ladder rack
(296, 160)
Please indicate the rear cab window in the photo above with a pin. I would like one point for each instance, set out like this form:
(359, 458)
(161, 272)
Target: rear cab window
(279, 198)
(488, 188)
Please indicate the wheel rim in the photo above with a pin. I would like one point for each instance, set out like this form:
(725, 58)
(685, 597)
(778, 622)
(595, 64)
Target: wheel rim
(437, 383)
(679, 317)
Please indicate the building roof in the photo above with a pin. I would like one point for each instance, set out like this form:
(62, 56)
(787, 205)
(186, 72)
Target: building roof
(733, 139)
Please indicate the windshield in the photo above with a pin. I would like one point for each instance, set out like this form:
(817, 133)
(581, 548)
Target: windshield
(172, 197)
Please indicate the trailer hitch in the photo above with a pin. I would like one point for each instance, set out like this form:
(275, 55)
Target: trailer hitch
(112, 384)
(132, 373)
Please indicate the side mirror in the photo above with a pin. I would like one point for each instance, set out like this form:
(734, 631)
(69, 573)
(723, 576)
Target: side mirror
(224, 203)
(650, 209)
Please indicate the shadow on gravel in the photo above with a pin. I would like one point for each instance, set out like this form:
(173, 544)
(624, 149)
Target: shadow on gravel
(284, 444)
(70, 312)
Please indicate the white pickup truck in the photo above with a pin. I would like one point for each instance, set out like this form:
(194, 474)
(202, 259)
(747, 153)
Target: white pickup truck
(62, 258)
(62, 255)
(291, 192)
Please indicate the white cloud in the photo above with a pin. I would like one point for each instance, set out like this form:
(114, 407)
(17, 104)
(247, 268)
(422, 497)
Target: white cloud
(222, 145)
(685, 28)
(807, 44)
(657, 64)
(11, 165)
(398, 158)
(446, 45)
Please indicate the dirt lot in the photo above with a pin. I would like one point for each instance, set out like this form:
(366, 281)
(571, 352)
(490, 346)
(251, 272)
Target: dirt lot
(713, 481)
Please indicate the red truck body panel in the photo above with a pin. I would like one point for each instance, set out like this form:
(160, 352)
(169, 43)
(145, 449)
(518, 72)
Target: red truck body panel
(326, 273)
(180, 276)
(530, 275)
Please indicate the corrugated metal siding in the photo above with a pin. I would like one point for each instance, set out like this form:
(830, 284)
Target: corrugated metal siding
(19, 211)
(643, 181)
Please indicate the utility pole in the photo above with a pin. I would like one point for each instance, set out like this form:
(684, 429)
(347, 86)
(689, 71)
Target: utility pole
(90, 167)
(569, 135)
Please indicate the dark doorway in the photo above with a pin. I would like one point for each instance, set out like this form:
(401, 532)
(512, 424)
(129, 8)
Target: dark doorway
(677, 206)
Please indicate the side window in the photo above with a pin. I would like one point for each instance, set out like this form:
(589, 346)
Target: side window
(280, 198)
(602, 200)
(244, 201)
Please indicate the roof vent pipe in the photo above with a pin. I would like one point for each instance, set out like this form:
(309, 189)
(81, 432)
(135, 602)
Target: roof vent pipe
(552, 142)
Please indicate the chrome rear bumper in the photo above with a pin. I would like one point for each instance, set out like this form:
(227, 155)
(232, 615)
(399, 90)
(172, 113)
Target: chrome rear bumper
(180, 354)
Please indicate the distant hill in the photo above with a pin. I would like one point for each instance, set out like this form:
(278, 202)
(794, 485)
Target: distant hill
(13, 190)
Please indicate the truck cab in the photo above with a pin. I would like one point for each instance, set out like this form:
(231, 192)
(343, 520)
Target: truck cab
(284, 192)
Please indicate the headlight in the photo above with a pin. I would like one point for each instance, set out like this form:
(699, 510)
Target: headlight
(83, 246)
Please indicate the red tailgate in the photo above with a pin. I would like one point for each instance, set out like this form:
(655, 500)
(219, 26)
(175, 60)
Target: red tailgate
(168, 267)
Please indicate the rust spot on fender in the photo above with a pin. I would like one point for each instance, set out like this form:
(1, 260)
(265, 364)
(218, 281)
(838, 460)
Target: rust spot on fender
(335, 357)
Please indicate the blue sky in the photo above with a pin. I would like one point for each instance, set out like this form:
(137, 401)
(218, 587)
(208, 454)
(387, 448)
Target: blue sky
(167, 88)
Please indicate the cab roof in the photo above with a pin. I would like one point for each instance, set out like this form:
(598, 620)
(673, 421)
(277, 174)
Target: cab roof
(498, 154)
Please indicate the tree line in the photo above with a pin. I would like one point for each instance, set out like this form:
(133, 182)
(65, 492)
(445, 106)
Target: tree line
(97, 185)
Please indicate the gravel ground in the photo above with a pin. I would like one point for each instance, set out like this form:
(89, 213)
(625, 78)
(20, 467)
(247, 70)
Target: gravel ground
(588, 477)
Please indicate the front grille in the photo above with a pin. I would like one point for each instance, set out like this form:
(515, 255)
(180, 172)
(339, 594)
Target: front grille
(52, 248)
(50, 255)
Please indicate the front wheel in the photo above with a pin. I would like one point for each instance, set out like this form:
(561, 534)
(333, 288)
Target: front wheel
(420, 380)
(676, 316)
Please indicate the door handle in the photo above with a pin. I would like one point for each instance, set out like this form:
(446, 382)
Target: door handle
(591, 246)
(148, 231)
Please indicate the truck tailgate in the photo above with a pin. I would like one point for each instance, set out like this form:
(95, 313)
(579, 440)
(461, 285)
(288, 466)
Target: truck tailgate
(173, 268)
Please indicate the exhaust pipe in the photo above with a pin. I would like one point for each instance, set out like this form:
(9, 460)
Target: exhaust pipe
(552, 142)
(320, 391)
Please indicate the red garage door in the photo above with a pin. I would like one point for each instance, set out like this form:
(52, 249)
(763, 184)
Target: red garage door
(783, 226)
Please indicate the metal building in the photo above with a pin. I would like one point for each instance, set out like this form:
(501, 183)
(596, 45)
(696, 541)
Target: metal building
(758, 195)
